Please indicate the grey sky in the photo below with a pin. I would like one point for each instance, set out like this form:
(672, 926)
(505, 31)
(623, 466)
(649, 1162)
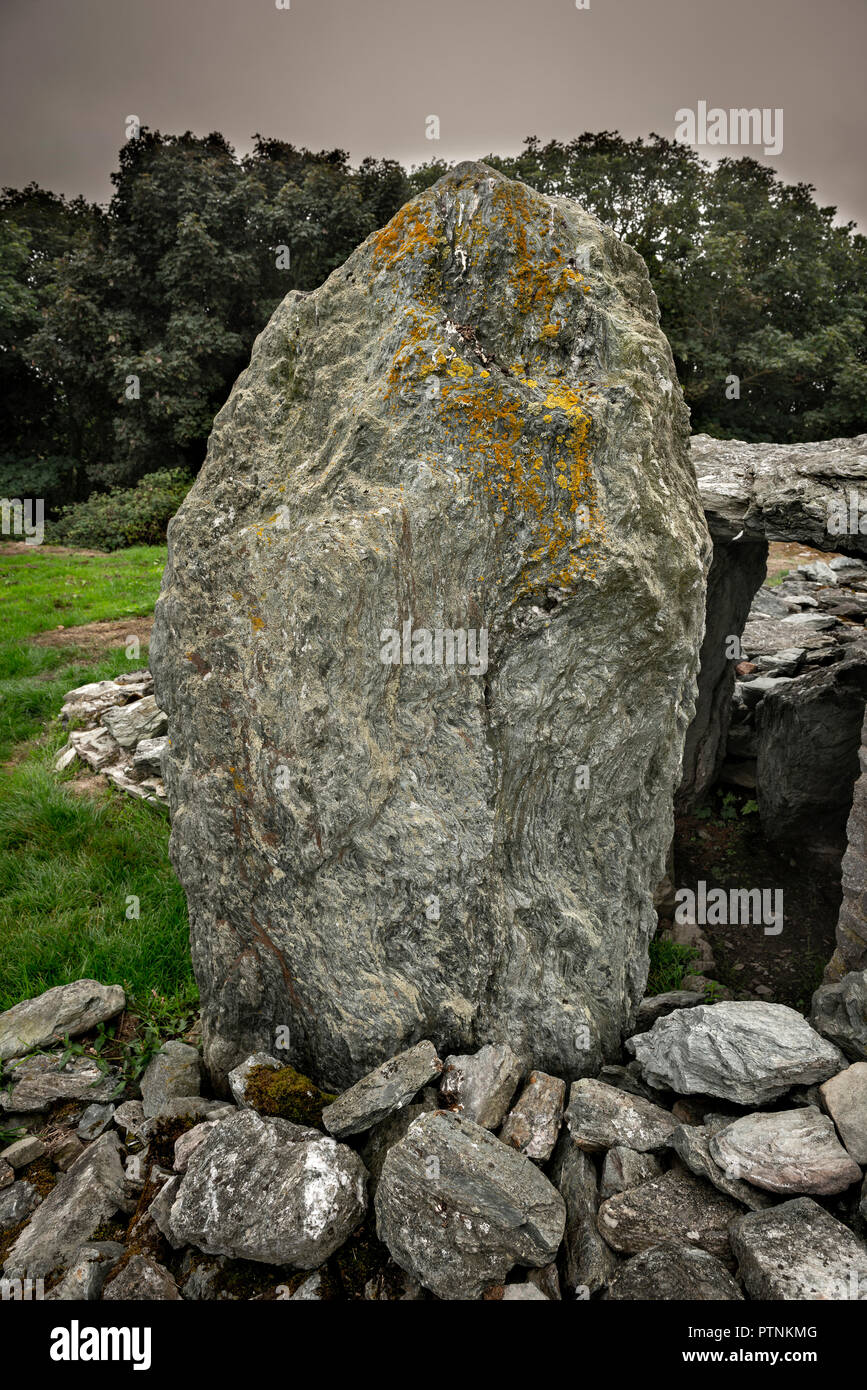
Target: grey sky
(364, 75)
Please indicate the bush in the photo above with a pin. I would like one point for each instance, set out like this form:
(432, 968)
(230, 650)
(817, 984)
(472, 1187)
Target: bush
(124, 516)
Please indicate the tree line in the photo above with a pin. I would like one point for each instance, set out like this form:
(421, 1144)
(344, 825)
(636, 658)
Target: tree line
(762, 296)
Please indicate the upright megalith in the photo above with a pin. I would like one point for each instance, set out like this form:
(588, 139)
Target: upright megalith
(427, 642)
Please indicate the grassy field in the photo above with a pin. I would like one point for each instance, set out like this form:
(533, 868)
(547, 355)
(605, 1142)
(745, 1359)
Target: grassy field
(74, 852)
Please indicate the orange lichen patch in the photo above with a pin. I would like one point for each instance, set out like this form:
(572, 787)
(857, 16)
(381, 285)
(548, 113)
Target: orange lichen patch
(406, 233)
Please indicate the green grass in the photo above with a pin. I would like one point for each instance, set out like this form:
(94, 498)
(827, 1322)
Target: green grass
(70, 861)
(40, 591)
(669, 962)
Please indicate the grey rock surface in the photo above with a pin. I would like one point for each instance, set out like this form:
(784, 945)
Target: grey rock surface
(624, 1168)
(381, 1092)
(92, 1191)
(173, 1072)
(656, 1006)
(674, 1271)
(482, 1084)
(269, 1191)
(38, 1081)
(129, 724)
(391, 1130)
(534, 1122)
(23, 1151)
(523, 1293)
(376, 851)
(798, 1251)
(64, 1011)
(141, 1280)
(587, 1262)
(87, 1273)
(839, 1013)
(17, 1201)
(675, 1206)
(600, 1116)
(787, 1151)
(748, 1051)
(851, 951)
(845, 1099)
(457, 1208)
(692, 1144)
(94, 1122)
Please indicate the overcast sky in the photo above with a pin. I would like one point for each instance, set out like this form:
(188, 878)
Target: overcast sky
(365, 74)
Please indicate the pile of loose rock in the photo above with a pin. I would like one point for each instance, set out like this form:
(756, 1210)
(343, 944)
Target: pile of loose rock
(722, 1158)
(119, 731)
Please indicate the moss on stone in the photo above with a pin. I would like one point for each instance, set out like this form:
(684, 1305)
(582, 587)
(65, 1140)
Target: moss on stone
(287, 1094)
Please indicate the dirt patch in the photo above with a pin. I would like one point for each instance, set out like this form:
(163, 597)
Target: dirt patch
(784, 556)
(22, 548)
(96, 638)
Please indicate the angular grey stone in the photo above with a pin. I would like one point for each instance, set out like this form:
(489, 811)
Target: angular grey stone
(378, 904)
(239, 1075)
(675, 1206)
(748, 1052)
(95, 1121)
(24, 1151)
(629, 1079)
(189, 1108)
(587, 1262)
(187, 1143)
(390, 1131)
(130, 1118)
(674, 1271)
(88, 1272)
(17, 1201)
(64, 1011)
(90, 1193)
(786, 1151)
(129, 724)
(798, 1251)
(600, 1116)
(654, 1006)
(547, 1280)
(160, 1211)
(7, 1174)
(65, 1149)
(851, 952)
(175, 1071)
(141, 1280)
(38, 1081)
(269, 1191)
(311, 1291)
(845, 1098)
(839, 1013)
(482, 1084)
(766, 604)
(523, 1293)
(457, 1208)
(692, 1144)
(624, 1168)
(96, 747)
(149, 753)
(383, 1091)
(533, 1124)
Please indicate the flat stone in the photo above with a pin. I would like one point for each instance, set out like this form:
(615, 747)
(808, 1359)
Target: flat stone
(600, 1116)
(654, 1006)
(457, 1208)
(88, 1272)
(269, 1191)
(743, 1051)
(383, 1091)
(65, 1150)
(141, 1280)
(40, 1080)
(175, 1071)
(64, 1011)
(533, 1125)
(839, 1013)
(96, 747)
(148, 754)
(845, 1098)
(587, 1262)
(674, 1271)
(129, 724)
(798, 1251)
(239, 1076)
(692, 1144)
(24, 1151)
(91, 1192)
(17, 1201)
(391, 1130)
(481, 1084)
(95, 1121)
(625, 1168)
(786, 1151)
(130, 1119)
(188, 1108)
(523, 1293)
(675, 1206)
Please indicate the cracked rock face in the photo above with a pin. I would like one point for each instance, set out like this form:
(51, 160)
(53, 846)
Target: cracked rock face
(472, 433)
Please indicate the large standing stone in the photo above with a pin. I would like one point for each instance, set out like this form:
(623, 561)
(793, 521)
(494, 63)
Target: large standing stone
(786, 1151)
(797, 1250)
(64, 1011)
(457, 1208)
(746, 1052)
(460, 432)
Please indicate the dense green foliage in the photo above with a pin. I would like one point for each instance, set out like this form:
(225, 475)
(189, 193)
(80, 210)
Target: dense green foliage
(122, 329)
(124, 516)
